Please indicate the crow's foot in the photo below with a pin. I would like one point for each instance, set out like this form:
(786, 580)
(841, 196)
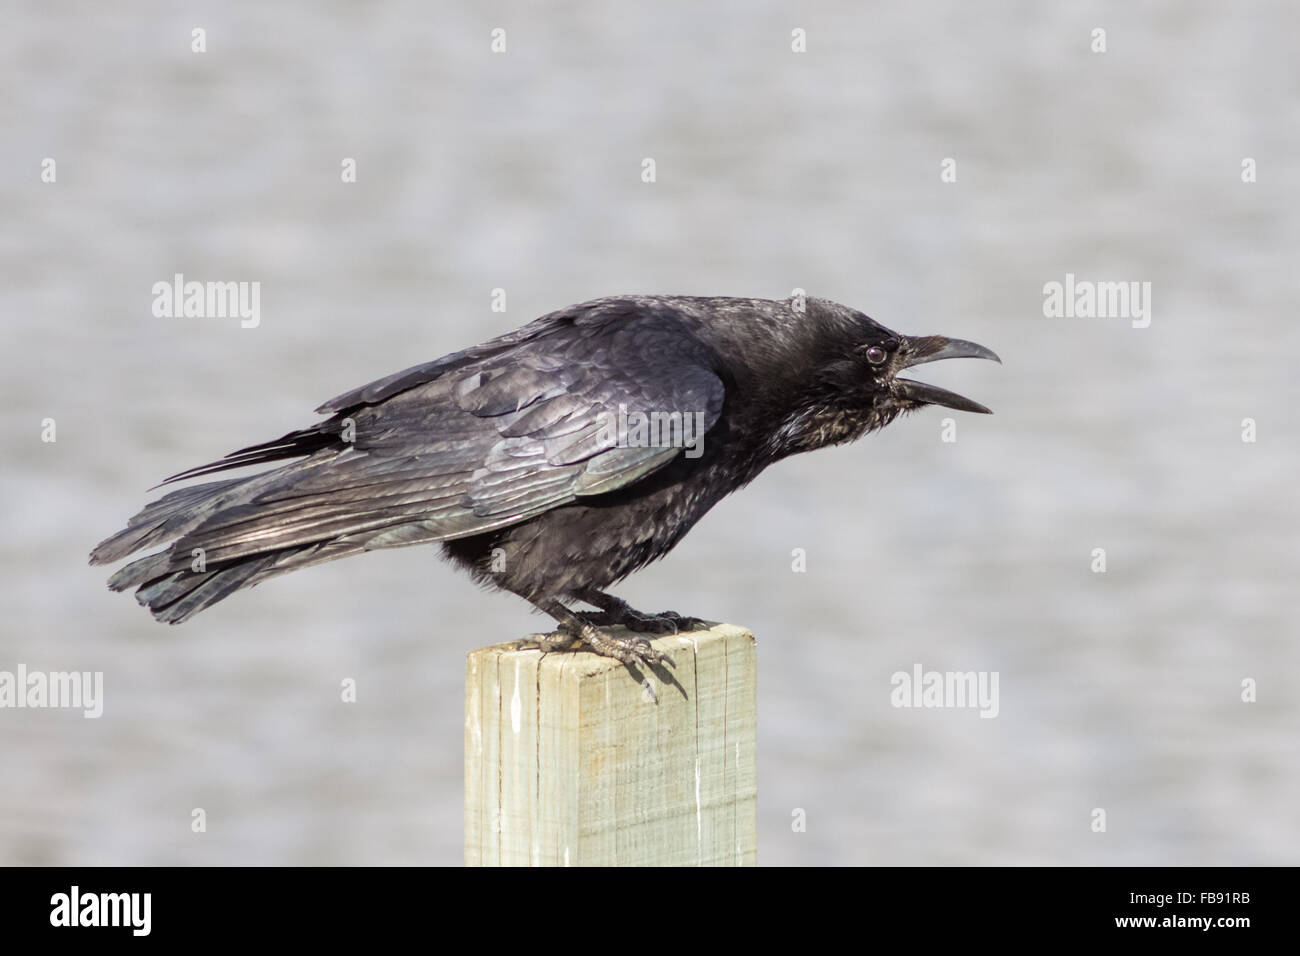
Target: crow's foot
(617, 611)
(631, 649)
(628, 648)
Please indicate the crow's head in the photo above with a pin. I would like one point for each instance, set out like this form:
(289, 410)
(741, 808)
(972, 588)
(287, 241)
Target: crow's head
(884, 354)
(852, 384)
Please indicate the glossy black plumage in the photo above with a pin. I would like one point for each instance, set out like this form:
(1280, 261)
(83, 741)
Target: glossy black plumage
(504, 452)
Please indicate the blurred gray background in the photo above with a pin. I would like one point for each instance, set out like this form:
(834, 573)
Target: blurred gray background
(776, 170)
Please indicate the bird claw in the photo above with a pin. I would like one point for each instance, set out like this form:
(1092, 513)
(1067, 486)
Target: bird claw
(631, 649)
(635, 650)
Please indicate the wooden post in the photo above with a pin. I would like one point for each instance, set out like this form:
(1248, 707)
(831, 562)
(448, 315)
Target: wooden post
(570, 761)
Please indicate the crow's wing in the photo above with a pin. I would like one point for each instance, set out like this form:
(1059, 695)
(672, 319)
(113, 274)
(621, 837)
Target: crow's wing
(471, 443)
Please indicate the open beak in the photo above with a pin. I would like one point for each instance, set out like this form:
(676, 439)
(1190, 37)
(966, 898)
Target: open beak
(932, 348)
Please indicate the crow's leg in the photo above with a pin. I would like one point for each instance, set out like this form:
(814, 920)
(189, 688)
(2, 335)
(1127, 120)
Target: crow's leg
(630, 649)
(617, 611)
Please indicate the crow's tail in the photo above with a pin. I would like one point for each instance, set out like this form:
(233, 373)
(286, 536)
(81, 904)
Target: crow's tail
(176, 584)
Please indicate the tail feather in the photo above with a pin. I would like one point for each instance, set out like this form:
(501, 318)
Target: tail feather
(173, 589)
(159, 521)
(180, 595)
(219, 537)
(166, 582)
(293, 445)
(140, 572)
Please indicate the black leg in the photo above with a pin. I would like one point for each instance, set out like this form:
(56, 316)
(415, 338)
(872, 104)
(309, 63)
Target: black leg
(617, 611)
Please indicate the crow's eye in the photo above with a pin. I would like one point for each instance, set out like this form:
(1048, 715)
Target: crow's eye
(875, 355)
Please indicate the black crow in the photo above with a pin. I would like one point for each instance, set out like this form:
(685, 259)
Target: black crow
(552, 461)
